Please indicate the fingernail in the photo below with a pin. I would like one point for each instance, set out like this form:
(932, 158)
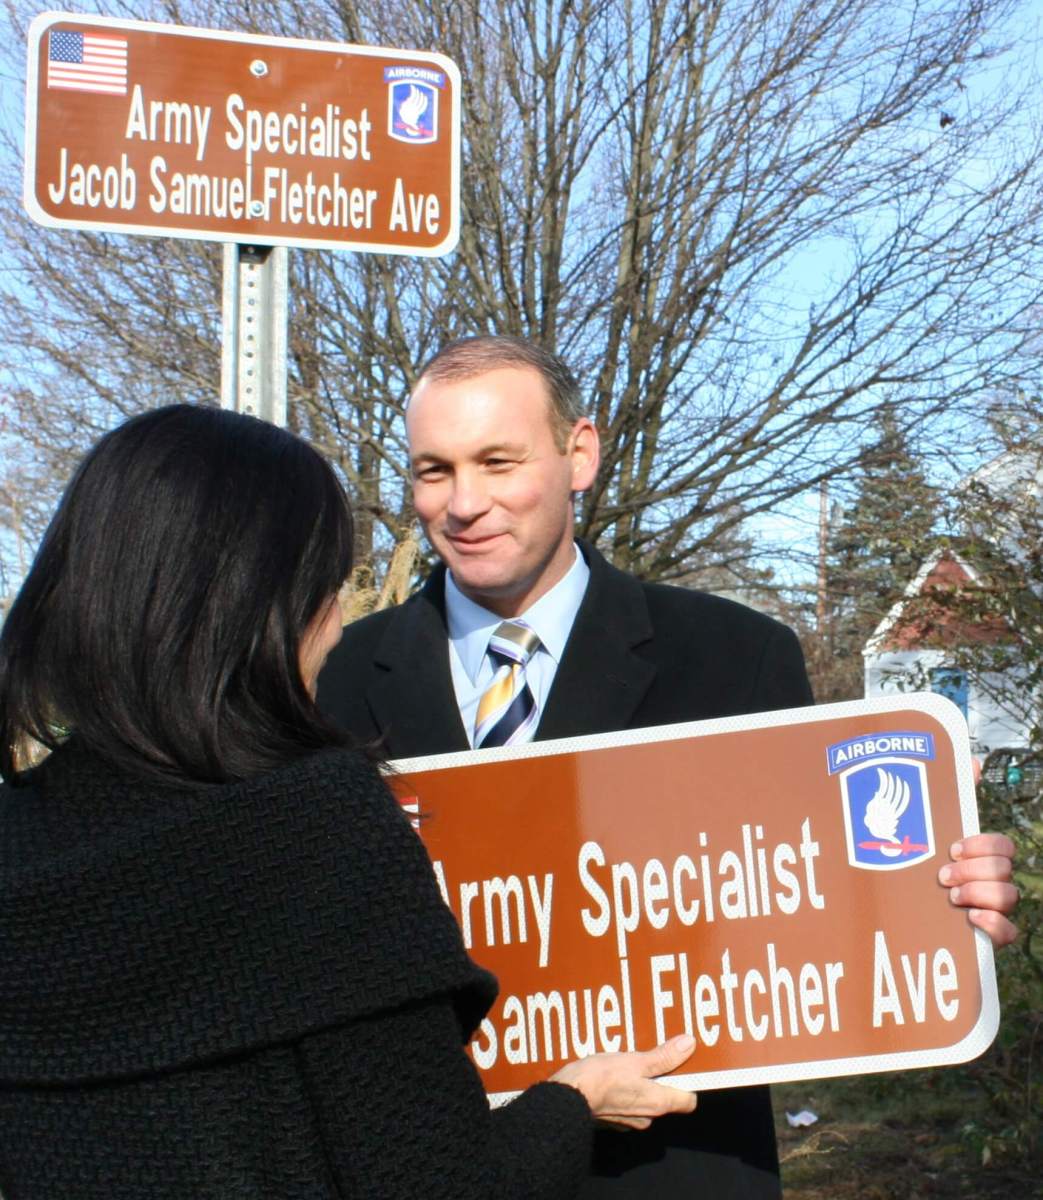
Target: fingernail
(685, 1043)
(954, 895)
(945, 875)
(956, 850)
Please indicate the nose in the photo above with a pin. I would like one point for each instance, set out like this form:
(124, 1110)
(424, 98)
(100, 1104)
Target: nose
(469, 498)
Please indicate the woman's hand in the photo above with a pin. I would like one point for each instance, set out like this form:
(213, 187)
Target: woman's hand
(620, 1088)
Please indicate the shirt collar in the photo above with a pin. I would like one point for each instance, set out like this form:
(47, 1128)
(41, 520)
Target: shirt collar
(550, 617)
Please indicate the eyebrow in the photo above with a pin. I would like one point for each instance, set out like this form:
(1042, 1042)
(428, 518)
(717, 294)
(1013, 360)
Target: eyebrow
(482, 452)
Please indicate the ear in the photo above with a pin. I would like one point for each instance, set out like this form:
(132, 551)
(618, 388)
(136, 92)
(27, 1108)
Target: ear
(584, 449)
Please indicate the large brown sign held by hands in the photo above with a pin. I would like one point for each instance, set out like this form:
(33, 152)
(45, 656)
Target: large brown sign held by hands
(768, 884)
(158, 129)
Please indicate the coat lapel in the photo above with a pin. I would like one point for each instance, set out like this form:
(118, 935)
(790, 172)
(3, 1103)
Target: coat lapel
(411, 696)
(600, 681)
(598, 687)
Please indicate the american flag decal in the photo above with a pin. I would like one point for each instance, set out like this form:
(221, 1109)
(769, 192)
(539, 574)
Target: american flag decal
(87, 62)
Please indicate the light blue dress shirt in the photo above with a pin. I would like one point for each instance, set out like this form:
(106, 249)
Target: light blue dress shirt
(470, 627)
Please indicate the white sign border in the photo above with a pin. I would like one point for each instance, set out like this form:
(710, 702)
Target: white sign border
(952, 721)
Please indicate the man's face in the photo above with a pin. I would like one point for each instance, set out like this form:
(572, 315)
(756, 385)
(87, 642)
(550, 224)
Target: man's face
(491, 487)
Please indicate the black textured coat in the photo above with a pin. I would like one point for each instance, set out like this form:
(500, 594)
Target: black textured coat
(638, 655)
(249, 991)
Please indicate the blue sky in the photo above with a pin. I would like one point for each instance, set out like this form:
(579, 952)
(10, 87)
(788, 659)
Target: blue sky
(794, 524)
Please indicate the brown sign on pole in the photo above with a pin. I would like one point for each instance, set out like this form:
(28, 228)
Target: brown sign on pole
(154, 129)
(767, 884)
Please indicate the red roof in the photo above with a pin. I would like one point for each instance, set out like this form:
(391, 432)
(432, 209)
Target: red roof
(933, 616)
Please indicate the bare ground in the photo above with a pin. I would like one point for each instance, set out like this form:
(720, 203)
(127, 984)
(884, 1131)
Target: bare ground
(903, 1141)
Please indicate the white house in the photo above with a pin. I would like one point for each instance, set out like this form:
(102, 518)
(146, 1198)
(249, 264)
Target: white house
(916, 648)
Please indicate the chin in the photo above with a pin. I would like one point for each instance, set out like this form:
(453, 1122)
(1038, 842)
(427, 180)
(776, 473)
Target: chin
(483, 579)
(489, 583)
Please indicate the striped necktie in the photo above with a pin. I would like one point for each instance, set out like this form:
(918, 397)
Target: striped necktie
(507, 711)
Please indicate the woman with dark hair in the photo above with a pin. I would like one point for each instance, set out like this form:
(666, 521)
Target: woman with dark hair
(226, 967)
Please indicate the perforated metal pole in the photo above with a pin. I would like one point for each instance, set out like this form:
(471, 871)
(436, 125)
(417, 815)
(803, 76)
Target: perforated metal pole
(254, 314)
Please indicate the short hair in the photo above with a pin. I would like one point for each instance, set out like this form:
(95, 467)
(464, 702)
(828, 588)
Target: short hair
(161, 621)
(467, 357)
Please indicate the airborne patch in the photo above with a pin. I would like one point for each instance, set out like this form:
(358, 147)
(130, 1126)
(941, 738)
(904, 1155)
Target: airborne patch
(887, 808)
(413, 103)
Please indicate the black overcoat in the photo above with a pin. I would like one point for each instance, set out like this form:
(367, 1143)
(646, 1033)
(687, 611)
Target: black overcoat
(245, 992)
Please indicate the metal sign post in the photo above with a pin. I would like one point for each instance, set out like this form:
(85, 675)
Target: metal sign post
(263, 142)
(253, 349)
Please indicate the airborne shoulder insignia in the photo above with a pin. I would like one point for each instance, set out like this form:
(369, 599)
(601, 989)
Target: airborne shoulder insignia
(413, 103)
(887, 810)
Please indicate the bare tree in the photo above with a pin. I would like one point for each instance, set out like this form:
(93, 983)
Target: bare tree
(746, 224)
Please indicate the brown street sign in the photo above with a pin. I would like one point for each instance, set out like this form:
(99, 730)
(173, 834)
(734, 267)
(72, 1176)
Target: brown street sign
(136, 127)
(767, 884)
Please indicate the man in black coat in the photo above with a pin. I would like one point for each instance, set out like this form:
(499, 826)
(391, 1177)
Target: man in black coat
(499, 446)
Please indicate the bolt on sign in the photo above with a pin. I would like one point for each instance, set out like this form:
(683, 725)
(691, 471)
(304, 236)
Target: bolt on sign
(767, 884)
(135, 127)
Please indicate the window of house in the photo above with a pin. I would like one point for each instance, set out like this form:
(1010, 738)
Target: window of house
(952, 684)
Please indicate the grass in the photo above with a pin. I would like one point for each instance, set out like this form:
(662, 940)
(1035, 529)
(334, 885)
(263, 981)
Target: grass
(905, 1136)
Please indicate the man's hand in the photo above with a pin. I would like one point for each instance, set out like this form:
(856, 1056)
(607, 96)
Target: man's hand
(979, 879)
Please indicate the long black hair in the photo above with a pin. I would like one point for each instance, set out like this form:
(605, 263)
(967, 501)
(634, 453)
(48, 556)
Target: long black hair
(162, 618)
